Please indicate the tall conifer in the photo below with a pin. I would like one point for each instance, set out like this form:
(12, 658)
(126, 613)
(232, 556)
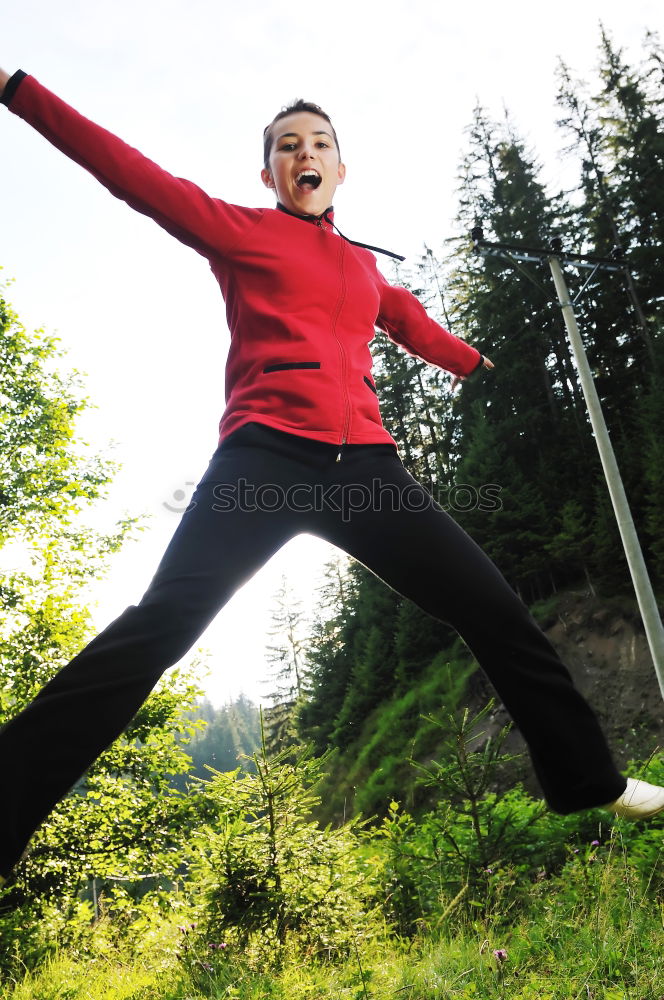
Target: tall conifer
(329, 659)
(287, 657)
(521, 428)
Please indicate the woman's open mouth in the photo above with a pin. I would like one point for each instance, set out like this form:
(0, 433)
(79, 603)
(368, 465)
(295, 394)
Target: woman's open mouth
(308, 180)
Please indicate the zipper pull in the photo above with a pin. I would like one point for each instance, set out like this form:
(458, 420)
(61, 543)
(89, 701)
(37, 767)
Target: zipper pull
(343, 441)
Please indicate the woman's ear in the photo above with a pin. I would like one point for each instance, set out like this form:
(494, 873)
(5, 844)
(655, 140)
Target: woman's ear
(341, 173)
(267, 178)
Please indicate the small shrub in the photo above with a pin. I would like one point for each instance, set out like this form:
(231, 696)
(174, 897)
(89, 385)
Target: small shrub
(269, 878)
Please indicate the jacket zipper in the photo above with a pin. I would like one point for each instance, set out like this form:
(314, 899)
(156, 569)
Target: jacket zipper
(341, 348)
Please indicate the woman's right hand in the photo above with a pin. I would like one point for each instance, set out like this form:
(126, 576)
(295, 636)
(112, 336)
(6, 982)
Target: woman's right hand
(3, 80)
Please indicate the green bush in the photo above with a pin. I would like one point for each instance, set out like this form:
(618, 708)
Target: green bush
(269, 879)
(479, 854)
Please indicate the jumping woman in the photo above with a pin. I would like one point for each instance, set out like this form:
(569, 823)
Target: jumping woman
(301, 415)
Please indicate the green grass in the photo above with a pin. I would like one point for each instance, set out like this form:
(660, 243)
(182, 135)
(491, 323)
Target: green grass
(594, 932)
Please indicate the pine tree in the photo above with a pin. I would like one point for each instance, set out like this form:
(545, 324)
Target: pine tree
(418, 639)
(521, 427)
(611, 310)
(570, 548)
(372, 651)
(630, 103)
(414, 403)
(617, 135)
(288, 660)
(650, 421)
(329, 661)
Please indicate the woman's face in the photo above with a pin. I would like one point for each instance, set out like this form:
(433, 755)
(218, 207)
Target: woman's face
(304, 150)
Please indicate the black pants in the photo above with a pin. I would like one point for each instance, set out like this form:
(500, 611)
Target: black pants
(366, 504)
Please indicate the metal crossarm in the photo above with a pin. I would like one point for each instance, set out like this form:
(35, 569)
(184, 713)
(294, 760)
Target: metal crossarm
(541, 254)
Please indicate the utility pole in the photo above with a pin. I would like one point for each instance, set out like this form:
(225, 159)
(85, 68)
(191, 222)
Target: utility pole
(553, 256)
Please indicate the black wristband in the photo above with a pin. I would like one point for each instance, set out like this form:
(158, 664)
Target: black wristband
(477, 367)
(12, 86)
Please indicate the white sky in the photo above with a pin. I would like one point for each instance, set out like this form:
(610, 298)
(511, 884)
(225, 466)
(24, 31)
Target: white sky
(192, 85)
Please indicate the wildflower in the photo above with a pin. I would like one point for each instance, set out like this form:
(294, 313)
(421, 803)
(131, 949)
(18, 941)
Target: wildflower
(499, 954)
(183, 929)
(488, 871)
(575, 851)
(594, 843)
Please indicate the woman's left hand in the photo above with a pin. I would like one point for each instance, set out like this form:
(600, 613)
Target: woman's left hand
(458, 379)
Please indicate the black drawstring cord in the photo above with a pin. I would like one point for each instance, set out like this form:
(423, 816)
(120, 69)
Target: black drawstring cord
(356, 243)
(367, 246)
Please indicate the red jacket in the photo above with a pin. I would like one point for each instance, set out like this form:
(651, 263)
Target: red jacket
(301, 302)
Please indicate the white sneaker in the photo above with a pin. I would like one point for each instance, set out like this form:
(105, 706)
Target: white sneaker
(639, 800)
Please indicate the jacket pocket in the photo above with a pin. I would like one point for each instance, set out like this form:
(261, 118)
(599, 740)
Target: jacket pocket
(370, 384)
(287, 365)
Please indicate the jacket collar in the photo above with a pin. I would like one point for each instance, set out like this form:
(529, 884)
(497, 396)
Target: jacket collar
(326, 216)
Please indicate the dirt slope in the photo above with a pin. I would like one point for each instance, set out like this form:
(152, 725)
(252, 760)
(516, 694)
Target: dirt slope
(604, 646)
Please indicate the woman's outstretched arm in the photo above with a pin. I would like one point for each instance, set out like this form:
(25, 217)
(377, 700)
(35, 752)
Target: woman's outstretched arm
(406, 322)
(209, 225)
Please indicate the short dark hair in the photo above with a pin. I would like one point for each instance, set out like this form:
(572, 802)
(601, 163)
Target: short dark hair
(298, 105)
